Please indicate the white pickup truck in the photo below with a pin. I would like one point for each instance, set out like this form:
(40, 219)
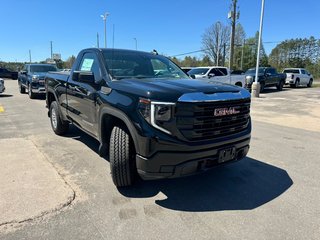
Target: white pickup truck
(298, 76)
(219, 74)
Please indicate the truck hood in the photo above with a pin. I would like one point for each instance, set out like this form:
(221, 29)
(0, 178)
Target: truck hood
(172, 89)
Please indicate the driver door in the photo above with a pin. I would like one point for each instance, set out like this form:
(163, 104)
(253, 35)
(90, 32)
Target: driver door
(81, 96)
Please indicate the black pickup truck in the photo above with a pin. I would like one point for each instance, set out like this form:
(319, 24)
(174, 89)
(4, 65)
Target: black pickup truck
(5, 73)
(267, 77)
(32, 78)
(148, 115)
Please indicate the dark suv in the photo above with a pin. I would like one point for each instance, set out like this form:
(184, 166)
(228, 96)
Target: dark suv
(32, 78)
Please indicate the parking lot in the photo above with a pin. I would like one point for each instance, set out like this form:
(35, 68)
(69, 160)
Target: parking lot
(55, 187)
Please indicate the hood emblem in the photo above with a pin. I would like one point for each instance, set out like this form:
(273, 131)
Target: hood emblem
(218, 112)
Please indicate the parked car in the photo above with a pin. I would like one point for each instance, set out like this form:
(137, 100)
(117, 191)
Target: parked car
(298, 76)
(186, 69)
(2, 87)
(5, 73)
(32, 78)
(159, 124)
(219, 74)
(267, 77)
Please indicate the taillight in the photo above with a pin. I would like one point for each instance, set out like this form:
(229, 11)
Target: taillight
(292, 76)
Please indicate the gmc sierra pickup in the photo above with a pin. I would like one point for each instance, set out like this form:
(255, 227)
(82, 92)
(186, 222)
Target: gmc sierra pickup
(267, 77)
(148, 115)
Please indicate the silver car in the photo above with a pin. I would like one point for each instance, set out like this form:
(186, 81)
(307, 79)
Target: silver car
(2, 88)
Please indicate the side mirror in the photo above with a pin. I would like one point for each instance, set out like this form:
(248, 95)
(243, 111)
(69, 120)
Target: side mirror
(85, 77)
(23, 72)
(211, 75)
(268, 74)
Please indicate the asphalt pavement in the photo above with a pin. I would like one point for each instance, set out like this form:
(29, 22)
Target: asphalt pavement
(65, 190)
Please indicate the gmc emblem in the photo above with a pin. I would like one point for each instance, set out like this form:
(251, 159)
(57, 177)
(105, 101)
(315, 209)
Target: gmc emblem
(218, 112)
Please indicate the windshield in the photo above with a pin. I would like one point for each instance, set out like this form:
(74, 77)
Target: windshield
(291, 71)
(198, 71)
(129, 64)
(42, 68)
(253, 71)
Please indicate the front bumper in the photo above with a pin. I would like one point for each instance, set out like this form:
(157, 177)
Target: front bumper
(289, 81)
(2, 88)
(38, 88)
(184, 160)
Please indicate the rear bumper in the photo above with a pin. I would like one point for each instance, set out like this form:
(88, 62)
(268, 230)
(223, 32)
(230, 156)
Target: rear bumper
(184, 161)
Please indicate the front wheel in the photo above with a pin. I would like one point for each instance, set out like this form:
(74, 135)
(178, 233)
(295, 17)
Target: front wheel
(21, 88)
(122, 162)
(310, 83)
(262, 86)
(30, 93)
(280, 86)
(59, 126)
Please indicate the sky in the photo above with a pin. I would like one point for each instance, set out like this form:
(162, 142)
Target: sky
(171, 27)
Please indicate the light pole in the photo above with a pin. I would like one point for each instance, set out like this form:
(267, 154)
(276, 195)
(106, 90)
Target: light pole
(135, 39)
(218, 32)
(104, 18)
(255, 89)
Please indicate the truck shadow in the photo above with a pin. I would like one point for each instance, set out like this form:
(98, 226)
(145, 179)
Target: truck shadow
(243, 185)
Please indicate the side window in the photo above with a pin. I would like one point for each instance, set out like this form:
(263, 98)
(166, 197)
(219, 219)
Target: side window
(159, 67)
(268, 70)
(216, 72)
(223, 71)
(90, 63)
(303, 71)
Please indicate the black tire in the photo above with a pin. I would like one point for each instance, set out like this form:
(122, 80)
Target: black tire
(280, 86)
(122, 162)
(262, 86)
(297, 83)
(59, 126)
(310, 83)
(21, 88)
(239, 84)
(30, 93)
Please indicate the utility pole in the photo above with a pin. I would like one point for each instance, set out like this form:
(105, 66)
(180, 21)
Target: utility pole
(242, 52)
(224, 55)
(51, 49)
(104, 18)
(136, 43)
(97, 40)
(233, 15)
(29, 56)
(113, 27)
(218, 32)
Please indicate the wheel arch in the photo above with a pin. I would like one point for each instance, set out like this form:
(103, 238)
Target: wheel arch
(110, 117)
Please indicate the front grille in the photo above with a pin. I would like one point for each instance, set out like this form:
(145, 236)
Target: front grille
(196, 121)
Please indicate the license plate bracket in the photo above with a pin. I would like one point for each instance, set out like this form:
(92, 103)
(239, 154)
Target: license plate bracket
(227, 154)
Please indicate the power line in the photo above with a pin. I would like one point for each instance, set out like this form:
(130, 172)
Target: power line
(206, 49)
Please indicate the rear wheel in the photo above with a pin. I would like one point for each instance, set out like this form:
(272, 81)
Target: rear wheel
(30, 93)
(310, 83)
(59, 126)
(122, 162)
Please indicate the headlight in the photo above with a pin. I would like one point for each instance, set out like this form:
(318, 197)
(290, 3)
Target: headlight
(35, 78)
(156, 113)
(249, 79)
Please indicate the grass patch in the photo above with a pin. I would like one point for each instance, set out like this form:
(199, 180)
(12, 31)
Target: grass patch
(316, 85)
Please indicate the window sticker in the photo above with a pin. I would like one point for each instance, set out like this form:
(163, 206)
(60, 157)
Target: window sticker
(87, 64)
